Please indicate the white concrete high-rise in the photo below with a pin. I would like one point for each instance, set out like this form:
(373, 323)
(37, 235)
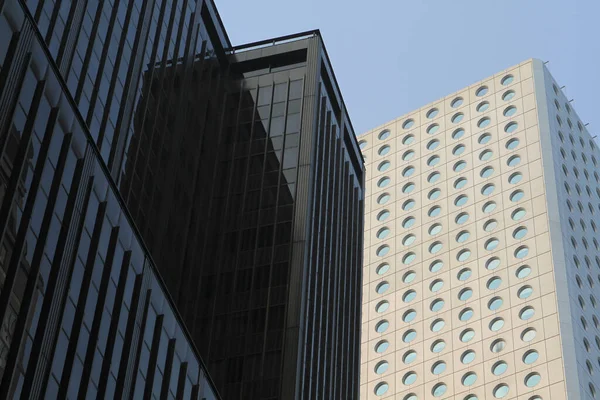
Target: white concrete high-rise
(482, 261)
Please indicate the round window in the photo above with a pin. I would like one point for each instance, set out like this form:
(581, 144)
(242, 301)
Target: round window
(462, 236)
(467, 335)
(409, 316)
(409, 258)
(465, 314)
(507, 80)
(465, 294)
(433, 144)
(521, 252)
(516, 195)
(437, 305)
(463, 255)
(382, 346)
(383, 250)
(511, 127)
(384, 135)
(530, 357)
(528, 335)
(382, 306)
(381, 388)
(408, 222)
(484, 122)
(457, 102)
(483, 106)
(495, 303)
(409, 277)
(383, 182)
(510, 111)
(382, 268)
(464, 274)
(381, 367)
(518, 214)
(433, 128)
(382, 287)
(462, 217)
(436, 266)
(500, 391)
(384, 198)
(490, 225)
(469, 378)
(497, 345)
(523, 271)
(526, 313)
(482, 91)
(383, 150)
(409, 357)
(409, 296)
(532, 379)
(499, 368)
(408, 139)
(458, 133)
(496, 324)
(484, 138)
(438, 367)
(508, 95)
(456, 118)
(439, 390)
(492, 263)
(461, 200)
(409, 239)
(438, 346)
(383, 215)
(494, 283)
(467, 357)
(382, 326)
(512, 144)
(432, 113)
(437, 325)
(409, 336)
(488, 189)
(460, 183)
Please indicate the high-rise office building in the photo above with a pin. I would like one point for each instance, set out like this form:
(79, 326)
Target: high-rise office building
(83, 311)
(248, 190)
(136, 141)
(482, 261)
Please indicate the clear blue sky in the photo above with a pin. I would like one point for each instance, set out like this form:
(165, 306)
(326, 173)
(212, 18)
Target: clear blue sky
(393, 56)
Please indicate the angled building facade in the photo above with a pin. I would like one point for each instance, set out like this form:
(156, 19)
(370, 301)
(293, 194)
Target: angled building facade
(83, 310)
(481, 248)
(253, 213)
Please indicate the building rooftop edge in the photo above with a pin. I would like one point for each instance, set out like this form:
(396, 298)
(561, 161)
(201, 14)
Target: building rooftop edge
(265, 43)
(380, 126)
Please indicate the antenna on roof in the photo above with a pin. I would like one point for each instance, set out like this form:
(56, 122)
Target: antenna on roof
(546, 62)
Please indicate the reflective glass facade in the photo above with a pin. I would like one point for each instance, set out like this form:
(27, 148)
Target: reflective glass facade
(83, 312)
(247, 184)
(136, 141)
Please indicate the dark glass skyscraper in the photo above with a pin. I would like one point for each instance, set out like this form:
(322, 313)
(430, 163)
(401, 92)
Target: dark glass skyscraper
(83, 312)
(252, 207)
(135, 140)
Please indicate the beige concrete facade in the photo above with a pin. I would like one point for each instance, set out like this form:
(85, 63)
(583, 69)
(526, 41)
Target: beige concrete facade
(467, 234)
